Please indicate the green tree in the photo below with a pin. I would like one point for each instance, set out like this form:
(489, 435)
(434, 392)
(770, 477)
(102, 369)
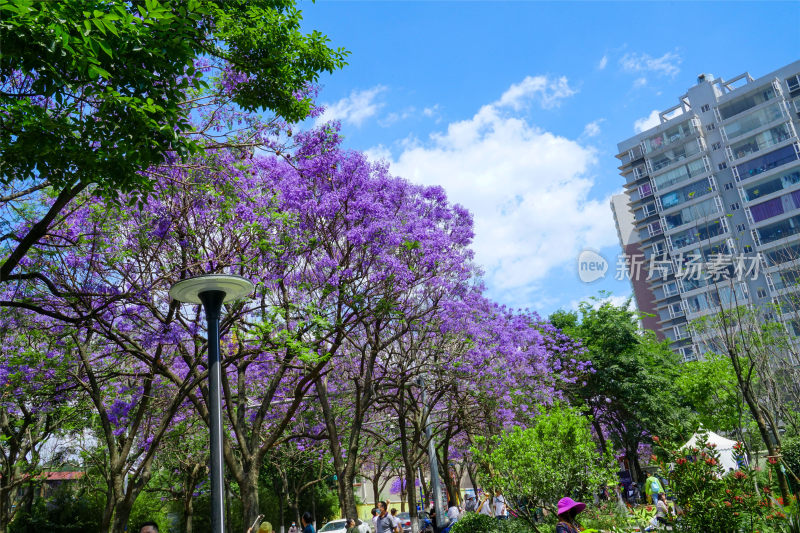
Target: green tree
(631, 392)
(709, 389)
(94, 92)
(536, 467)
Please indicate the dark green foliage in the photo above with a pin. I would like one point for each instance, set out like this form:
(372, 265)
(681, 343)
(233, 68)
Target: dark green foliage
(632, 390)
(94, 91)
(475, 523)
(790, 448)
(66, 511)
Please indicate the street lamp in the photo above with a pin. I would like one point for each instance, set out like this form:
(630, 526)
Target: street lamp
(212, 290)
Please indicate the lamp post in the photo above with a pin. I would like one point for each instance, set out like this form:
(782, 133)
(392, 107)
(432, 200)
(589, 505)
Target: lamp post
(212, 290)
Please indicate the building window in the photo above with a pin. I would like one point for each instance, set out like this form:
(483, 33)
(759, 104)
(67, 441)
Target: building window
(761, 292)
(735, 206)
(748, 248)
(705, 107)
(716, 146)
(728, 186)
(649, 209)
(655, 229)
(793, 83)
(740, 227)
(710, 127)
(723, 165)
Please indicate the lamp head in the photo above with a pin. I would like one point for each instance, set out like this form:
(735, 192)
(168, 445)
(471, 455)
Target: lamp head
(189, 290)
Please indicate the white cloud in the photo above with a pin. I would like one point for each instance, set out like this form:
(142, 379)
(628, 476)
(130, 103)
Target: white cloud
(650, 121)
(667, 65)
(613, 299)
(603, 62)
(592, 129)
(353, 109)
(638, 83)
(431, 111)
(529, 191)
(548, 91)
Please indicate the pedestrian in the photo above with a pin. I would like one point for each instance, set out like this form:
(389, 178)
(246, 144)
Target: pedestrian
(637, 493)
(375, 513)
(662, 513)
(653, 487)
(500, 507)
(384, 523)
(485, 506)
(568, 510)
(471, 504)
(351, 526)
(453, 512)
(293, 528)
(396, 522)
(149, 527)
(307, 521)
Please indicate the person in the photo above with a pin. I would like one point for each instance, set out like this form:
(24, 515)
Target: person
(662, 513)
(351, 526)
(384, 524)
(293, 528)
(375, 513)
(149, 527)
(637, 493)
(568, 509)
(396, 522)
(453, 512)
(471, 504)
(432, 517)
(307, 522)
(485, 506)
(653, 487)
(500, 507)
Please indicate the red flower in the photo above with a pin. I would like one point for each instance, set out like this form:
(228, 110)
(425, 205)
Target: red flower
(739, 474)
(656, 439)
(772, 460)
(681, 461)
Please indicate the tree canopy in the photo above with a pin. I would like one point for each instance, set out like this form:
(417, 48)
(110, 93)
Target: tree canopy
(94, 92)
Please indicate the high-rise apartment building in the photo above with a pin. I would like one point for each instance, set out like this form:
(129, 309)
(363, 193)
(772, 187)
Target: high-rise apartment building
(715, 187)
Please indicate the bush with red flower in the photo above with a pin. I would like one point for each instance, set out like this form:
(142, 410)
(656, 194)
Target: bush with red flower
(710, 499)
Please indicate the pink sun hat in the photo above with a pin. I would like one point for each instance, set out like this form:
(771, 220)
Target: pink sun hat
(567, 504)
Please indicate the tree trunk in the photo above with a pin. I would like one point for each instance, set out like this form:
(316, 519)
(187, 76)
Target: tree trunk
(122, 512)
(763, 430)
(5, 508)
(188, 512)
(376, 489)
(249, 495)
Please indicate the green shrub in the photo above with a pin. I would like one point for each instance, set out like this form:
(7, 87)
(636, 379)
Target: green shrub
(790, 449)
(475, 523)
(64, 512)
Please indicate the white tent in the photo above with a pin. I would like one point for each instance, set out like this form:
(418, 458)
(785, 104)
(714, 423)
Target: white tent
(723, 446)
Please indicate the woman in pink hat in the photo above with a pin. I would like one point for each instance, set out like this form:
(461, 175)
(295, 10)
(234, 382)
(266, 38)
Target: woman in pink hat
(568, 509)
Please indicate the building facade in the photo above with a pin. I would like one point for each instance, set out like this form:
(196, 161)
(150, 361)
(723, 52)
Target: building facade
(713, 192)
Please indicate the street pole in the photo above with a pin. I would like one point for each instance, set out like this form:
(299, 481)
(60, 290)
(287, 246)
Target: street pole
(212, 303)
(212, 290)
(436, 487)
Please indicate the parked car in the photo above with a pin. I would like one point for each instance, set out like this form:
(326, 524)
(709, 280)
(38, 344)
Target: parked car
(340, 526)
(425, 525)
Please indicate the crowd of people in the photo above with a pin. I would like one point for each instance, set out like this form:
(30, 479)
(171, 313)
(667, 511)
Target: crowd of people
(491, 503)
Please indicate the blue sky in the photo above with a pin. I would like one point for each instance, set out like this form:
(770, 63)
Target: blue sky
(515, 108)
